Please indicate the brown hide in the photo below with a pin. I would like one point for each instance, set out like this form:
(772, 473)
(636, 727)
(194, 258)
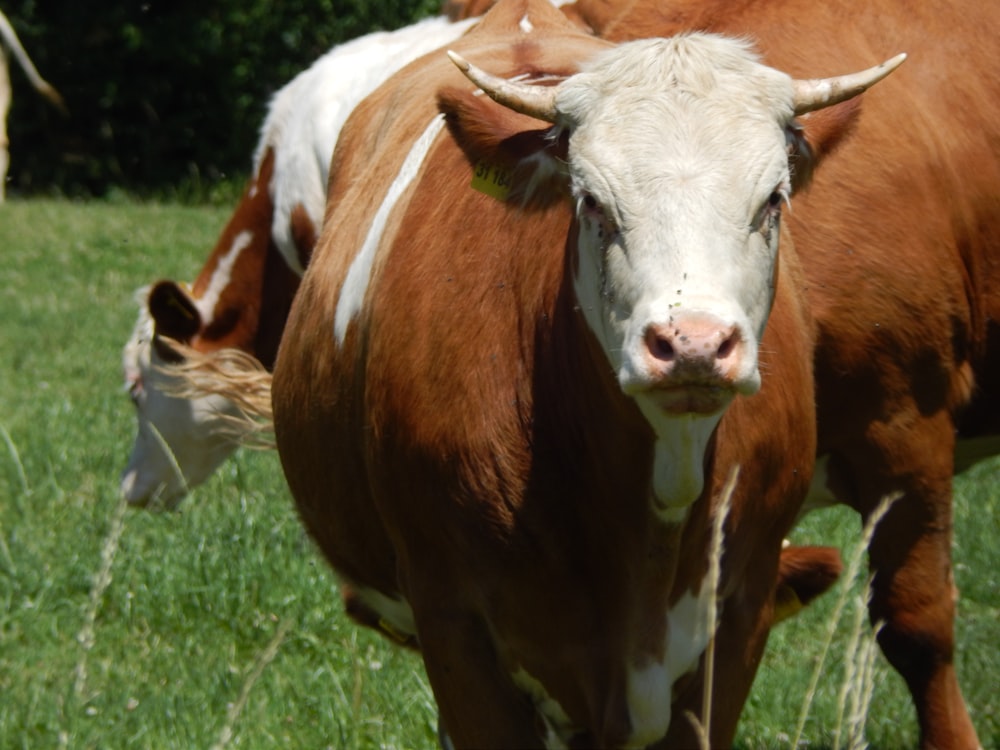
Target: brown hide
(899, 239)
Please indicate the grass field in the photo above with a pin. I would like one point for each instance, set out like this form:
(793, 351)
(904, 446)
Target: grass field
(218, 625)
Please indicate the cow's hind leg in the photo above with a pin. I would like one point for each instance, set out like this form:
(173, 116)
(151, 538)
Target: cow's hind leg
(913, 592)
(913, 595)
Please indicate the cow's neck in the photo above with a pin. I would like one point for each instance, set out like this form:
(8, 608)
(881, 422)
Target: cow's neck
(245, 290)
(679, 461)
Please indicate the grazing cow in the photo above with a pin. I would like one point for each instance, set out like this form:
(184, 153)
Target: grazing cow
(507, 414)
(12, 44)
(240, 299)
(899, 239)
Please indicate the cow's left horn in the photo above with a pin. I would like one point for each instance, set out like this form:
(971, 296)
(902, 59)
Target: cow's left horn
(534, 101)
(825, 92)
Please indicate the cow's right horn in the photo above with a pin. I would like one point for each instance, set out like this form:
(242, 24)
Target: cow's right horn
(534, 101)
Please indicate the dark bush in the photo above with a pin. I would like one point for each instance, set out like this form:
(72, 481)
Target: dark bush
(165, 96)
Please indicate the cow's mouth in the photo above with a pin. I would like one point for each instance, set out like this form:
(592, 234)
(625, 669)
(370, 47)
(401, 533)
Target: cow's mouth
(678, 400)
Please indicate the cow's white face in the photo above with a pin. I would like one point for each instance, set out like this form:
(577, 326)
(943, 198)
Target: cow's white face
(678, 164)
(180, 441)
(678, 204)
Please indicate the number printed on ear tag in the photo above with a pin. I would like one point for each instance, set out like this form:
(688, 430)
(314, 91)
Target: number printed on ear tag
(492, 180)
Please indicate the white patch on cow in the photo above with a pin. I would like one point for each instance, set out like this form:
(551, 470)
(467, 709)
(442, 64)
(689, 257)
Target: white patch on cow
(222, 276)
(307, 114)
(395, 612)
(525, 24)
(559, 727)
(678, 459)
(650, 684)
(355, 287)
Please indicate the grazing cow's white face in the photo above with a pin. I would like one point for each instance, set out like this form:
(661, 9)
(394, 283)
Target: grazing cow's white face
(180, 441)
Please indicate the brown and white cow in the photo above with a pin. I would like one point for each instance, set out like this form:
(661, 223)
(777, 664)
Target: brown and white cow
(507, 416)
(899, 239)
(241, 297)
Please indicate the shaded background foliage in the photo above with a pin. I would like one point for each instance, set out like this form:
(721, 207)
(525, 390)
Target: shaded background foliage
(165, 97)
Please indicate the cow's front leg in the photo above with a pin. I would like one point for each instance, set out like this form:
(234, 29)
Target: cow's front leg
(479, 705)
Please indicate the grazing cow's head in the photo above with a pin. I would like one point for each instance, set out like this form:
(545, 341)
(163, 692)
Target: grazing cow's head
(181, 440)
(679, 159)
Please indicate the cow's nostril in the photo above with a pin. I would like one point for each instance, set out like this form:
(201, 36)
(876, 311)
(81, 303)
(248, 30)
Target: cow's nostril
(727, 347)
(659, 345)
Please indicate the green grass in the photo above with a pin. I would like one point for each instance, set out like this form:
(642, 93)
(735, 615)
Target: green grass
(222, 617)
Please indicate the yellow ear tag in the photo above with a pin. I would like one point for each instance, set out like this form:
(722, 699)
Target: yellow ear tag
(492, 180)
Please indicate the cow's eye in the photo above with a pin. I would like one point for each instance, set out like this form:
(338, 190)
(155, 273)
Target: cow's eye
(595, 215)
(768, 214)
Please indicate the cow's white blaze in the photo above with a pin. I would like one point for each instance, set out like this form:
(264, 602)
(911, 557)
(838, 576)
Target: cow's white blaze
(355, 287)
(222, 276)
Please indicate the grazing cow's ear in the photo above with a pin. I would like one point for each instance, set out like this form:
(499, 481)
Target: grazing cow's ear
(173, 311)
(508, 148)
(816, 135)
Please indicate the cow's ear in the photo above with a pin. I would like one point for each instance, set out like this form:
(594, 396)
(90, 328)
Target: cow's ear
(520, 155)
(816, 135)
(173, 311)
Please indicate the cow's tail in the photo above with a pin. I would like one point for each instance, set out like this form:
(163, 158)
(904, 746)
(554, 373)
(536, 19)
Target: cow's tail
(235, 376)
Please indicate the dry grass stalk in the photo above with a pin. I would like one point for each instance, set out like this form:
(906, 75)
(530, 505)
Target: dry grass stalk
(263, 660)
(87, 635)
(156, 502)
(856, 692)
(847, 581)
(703, 727)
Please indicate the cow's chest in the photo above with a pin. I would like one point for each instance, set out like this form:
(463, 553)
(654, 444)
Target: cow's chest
(632, 707)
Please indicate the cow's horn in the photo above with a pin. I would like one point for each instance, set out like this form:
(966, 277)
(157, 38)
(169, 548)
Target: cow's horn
(825, 92)
(534, 101)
